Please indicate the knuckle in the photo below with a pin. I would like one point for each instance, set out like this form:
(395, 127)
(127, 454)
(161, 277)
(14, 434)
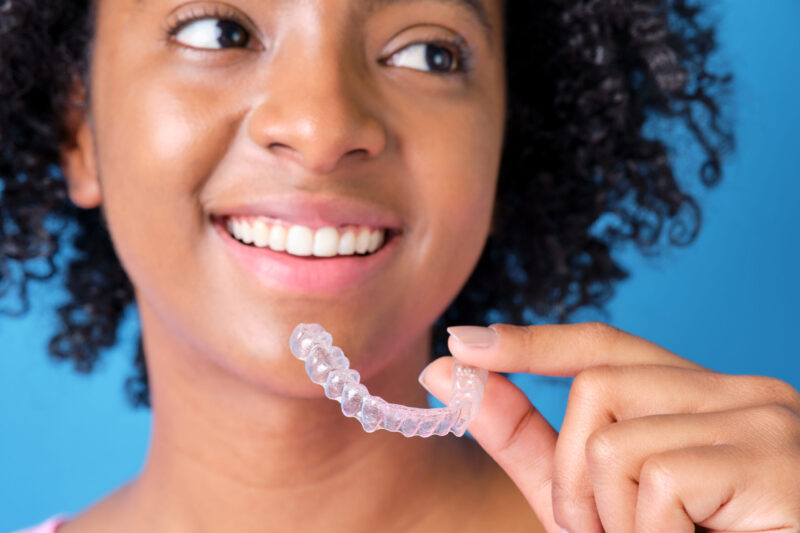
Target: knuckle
(566, 500)
(782, 393)
(518, 429)
(600, 334)
(589, 384)
(602, 447)
(779, 414)
(777, 419)
(656, 477)
(530, 336)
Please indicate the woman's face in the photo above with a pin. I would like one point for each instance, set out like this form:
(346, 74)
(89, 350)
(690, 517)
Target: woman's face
(310, 113)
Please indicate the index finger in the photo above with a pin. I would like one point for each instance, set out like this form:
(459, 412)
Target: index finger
(556, 350)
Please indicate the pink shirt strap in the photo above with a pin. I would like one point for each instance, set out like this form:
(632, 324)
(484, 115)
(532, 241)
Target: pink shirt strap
(48, 526)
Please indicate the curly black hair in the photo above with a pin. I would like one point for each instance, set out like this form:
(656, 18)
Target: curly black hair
(579, 170)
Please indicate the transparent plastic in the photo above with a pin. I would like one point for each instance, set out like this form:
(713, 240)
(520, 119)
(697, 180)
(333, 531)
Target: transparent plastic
(328, 366)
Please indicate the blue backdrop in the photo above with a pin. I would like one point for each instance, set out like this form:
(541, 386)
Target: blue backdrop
(728, 302)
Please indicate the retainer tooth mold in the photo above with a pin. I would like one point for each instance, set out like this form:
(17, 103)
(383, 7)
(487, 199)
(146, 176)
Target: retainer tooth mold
(328, 366)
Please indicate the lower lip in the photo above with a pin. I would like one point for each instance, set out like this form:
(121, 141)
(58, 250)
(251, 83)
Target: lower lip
(315, 275)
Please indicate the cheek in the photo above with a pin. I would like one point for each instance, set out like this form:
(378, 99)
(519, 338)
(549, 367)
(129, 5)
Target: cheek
(457, 169)
(157, 150)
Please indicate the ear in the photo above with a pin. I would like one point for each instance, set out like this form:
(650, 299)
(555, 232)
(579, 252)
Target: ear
(77, 152)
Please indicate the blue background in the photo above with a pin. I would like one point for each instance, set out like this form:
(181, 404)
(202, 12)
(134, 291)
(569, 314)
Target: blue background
(729, 301)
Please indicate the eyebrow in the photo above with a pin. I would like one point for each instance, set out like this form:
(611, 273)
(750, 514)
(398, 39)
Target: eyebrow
(474, 7)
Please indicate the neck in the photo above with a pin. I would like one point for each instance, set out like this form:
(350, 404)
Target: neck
(226, 455)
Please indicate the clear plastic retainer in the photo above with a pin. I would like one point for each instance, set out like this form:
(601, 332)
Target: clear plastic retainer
(327, 365)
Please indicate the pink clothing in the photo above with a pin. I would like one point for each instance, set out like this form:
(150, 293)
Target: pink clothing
(48, 526)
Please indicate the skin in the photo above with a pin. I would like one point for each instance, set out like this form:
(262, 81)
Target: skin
(242, 440)
(650, 440)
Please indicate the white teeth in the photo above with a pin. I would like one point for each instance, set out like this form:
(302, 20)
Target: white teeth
(246, 232)
(260, 233)
(236, 229)
(362, 240)
(326, 242)
(303, 241)
(347, 243)
(277, 238)
(375, 240)
(299, 241)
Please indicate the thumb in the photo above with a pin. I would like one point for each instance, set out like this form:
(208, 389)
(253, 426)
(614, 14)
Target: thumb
(512, 431)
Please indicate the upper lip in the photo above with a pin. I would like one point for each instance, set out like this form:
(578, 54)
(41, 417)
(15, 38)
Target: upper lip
(314, 212)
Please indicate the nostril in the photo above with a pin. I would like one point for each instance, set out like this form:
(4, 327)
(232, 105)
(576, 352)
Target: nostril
(360, 151)
(278, 148)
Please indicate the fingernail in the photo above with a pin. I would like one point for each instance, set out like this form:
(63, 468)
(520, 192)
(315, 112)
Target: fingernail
(474, 336)
(421, 378)
(564, 530)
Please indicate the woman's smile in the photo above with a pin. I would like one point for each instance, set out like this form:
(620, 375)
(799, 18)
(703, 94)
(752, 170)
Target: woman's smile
(317, 244)
(306, 273)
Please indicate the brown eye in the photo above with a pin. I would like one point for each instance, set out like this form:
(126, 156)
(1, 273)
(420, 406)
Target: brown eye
(440, 57)
(429, 57)
(211, 33)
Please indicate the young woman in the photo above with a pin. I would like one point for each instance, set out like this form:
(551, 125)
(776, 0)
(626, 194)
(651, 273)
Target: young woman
(476, 144)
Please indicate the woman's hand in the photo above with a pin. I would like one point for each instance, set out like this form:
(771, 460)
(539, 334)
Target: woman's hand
(650, 441)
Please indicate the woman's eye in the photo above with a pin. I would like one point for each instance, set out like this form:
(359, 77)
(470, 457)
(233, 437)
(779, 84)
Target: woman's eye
(212, 33)
(430, 57)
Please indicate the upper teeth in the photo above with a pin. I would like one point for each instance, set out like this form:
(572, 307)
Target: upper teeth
(304, 241)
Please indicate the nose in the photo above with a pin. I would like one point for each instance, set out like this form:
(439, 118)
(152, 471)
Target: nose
(314, 110)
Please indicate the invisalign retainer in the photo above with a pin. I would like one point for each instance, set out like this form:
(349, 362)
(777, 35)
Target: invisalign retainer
(327, 365)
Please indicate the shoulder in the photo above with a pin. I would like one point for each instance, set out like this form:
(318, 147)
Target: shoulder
(110, 513)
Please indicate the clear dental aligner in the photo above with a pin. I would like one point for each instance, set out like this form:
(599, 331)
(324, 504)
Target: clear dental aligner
(327, 365)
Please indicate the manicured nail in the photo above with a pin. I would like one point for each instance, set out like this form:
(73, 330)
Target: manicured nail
(564, 530)
(474, 336)
(421, 377)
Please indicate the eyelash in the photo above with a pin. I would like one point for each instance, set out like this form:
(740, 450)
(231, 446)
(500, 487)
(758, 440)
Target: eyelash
(227, 13)
(457, 46)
